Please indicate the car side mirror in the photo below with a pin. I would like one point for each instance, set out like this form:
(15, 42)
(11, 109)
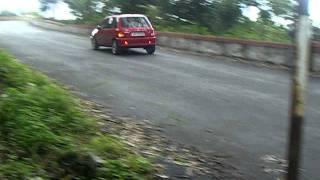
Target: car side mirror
(99, 27)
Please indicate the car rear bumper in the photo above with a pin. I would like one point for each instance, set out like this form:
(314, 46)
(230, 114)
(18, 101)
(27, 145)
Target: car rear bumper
(136, 42)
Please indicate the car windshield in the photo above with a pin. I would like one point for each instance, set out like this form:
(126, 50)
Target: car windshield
(129, 22)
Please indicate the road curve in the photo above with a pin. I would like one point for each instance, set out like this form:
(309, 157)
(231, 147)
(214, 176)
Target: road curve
(228, 107)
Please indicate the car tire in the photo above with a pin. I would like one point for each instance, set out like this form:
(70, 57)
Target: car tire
(94, 44)
(115, 49)
(151, 50)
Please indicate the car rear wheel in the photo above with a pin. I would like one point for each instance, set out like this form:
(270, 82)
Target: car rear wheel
(94, 44)
(151, 49)
(115, 48)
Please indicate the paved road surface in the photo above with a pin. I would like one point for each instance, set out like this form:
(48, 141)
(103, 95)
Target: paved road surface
(217, 105)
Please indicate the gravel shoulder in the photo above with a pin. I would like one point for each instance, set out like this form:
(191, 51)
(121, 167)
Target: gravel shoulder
(172, 160)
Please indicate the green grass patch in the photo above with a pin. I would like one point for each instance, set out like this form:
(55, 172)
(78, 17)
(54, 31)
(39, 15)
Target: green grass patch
(45, 132)
(121, 163)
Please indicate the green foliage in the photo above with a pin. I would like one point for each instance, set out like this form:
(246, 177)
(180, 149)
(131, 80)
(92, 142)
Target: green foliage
(195, 29)
(32, 14)
(283, 8)
(120, 162)
(40, 122)
(16, 75)
(130, 168)
(44, 117)
(109, 147)
(218, 17)
(16, 170)
(85, 10)
(259, 31)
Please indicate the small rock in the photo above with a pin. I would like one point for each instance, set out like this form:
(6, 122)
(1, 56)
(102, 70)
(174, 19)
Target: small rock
(161, 176)
(201, 160)
(189, 172)
(104, 116)
(4, 95)
(36, 178)
(133, 108)
(96, 159)
(209, 131)
(100, 123)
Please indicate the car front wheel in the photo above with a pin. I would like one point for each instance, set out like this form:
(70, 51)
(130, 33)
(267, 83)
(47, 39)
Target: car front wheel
(94, 44)
(151, 49)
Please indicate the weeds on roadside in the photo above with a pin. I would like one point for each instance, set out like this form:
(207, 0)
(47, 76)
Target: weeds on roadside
(44, 132)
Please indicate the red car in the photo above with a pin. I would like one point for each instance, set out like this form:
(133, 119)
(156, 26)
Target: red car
(124, 31)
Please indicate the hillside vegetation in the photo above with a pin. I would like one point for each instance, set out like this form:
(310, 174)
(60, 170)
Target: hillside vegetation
(216, 17)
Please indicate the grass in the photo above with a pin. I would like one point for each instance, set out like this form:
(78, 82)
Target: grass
(45, 132)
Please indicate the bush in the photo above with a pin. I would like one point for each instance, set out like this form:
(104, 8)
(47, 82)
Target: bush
(35, 113)
(16, 75)
(259, 30)
(109, 147)
(16, 170)
(193, 29)
(41, 123)
(43, 117)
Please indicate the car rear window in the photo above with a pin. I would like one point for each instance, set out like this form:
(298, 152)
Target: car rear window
(128, 22)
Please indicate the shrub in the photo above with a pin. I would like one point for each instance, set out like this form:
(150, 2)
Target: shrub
(35, 113)
(44, 129)
(16, 170)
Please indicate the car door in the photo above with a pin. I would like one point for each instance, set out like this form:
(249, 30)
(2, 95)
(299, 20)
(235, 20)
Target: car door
(101, 34)
(110, 31)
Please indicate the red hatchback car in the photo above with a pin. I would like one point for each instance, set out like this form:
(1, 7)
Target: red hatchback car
(124, 31)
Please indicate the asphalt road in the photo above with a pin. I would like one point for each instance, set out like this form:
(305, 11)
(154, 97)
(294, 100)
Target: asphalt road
(231, 108)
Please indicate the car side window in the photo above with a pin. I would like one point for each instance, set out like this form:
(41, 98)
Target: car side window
(114, 23)
(109, 23)
(104, 23)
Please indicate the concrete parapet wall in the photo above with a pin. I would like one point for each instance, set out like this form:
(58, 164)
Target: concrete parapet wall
(276, 53)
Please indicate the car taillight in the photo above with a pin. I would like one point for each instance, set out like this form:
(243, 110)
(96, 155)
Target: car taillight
(120, 34)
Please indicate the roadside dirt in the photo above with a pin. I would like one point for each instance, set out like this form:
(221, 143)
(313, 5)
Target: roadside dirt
(172, 160)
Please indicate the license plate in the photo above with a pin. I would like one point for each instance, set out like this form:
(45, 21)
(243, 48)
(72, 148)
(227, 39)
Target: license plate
(137, 34)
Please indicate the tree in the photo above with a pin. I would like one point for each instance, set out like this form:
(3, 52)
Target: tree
(7, 13)
(45, 4)
(196, 16)
(229, 13)
(283, 8)
(132, 6)
(269, 8)
(84, 9)
(265, 16)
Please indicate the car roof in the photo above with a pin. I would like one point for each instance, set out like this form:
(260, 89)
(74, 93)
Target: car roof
(126, 15)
